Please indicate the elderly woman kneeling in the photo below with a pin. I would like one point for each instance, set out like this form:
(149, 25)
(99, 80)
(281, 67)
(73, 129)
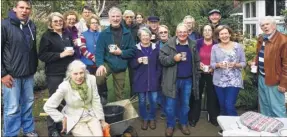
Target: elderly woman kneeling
(83, 114)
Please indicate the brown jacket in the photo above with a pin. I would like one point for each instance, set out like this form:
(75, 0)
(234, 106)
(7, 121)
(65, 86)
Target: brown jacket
(275, 59)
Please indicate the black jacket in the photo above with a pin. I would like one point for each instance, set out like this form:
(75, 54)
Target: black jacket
(18, 47)
(51, 45)
(133, 29)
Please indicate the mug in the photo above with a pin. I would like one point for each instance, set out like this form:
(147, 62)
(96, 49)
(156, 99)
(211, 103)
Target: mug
(79, 42)
(112, 47)
(69, 48)
(145, 60)
(183, 56)
(254, 69)
(205, 68)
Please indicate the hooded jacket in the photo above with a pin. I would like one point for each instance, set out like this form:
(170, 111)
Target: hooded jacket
(18, 47)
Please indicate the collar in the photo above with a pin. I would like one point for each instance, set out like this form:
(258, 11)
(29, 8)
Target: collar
(178, 43)
(153, 46)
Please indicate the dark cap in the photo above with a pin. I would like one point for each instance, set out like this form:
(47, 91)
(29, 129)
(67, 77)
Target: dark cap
(153, 19)
(214, 11)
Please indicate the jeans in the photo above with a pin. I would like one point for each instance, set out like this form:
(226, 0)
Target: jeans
(18, 103)
(271, 100)
(227, 98)
(144, 113)
(180, 104)
(205, 86)
(161, 101)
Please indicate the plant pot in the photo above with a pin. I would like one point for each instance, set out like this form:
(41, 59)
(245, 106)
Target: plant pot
(113, 113)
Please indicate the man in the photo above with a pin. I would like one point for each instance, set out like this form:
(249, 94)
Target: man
(18, 66)
(180, 75)
(128, 22)
(214, 17)
(189, 21)
(82, 24)
(271, 59)
(153, 24)
(115, 46)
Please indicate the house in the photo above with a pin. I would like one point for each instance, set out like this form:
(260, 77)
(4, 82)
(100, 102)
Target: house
(253, 10)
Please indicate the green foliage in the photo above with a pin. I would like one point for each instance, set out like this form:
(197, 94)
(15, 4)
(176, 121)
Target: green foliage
(247, 98)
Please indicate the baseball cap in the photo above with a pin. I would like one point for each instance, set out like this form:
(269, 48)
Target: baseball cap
(214, 11)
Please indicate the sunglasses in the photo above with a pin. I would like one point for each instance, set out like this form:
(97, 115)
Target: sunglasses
(129, 17)
(163, 32)
(57, 21)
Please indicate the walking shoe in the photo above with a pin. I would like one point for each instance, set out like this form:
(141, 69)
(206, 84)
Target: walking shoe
(152, 124)
(184, 130)
(220, 132)
(162, 116)
(31, 134)
(169, 132)
(55, 134)
(144, 125)
(215, 123)
(192, 123)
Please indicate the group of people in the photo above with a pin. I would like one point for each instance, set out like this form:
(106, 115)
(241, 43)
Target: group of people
(170, 72)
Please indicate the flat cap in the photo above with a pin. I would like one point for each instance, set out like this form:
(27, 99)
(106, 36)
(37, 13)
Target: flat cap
(214, 11)
(153, 19)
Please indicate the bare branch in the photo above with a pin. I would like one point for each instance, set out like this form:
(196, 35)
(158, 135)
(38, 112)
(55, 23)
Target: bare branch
(103, 7)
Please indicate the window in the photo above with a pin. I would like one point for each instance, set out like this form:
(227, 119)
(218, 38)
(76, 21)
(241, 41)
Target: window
(253, 29)
(247, 30)
(247, 9)
(250, 9)
(250, 30)
(274, 7)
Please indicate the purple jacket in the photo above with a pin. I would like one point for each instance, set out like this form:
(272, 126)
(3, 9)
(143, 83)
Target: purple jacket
(146, 77)
(73, 32)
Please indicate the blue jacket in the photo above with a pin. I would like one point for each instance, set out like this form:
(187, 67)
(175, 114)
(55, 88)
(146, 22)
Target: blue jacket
(116, 63)
(146, 77)
(91, 39)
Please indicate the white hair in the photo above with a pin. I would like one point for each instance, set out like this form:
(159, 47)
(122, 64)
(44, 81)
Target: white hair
(114, 9)
(181, 25)
(144, 29)
(73, 65)
(268, 19)
(129, 12)
(188, 17)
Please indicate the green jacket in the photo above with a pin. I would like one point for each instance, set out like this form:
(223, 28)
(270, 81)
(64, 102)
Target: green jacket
(169, 71)
(116, 63)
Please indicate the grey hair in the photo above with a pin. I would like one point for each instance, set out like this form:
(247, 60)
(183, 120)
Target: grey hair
(50, 18)
(114, 9)
(180, 25)
(188, 17)
(267, 18)
(128, 12)
(72, 66)
(144, 29)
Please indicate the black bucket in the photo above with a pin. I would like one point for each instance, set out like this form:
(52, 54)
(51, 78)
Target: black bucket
(113, 113)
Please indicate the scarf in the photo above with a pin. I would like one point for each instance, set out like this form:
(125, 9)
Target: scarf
(82, 89)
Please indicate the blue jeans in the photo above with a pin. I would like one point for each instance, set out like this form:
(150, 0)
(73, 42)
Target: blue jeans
(227, 98)
(161, 101)
(144, 113)
(180, 103)
(271, 100)
(18, 102)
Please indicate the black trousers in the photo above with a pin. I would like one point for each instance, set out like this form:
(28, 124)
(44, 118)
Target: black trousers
(206, 83)
(131, 75)
(52, 83)
(102, 89)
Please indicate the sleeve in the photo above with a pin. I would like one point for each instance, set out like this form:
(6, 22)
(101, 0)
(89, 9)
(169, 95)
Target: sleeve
(53, 102)
(96, 103)
(197, 63)
(100, 50)
(165, 57)
(131, 49)
(44, 54)
(242, 59)
(283, 80)
(213, 58)
(158, 68)
(3, 42)
(134, 62)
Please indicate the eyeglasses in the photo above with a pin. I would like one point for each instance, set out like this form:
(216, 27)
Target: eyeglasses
(182, 32)
(57, 21)
(129, 17)
(87, 12)
(163, 32)
(71, 19)
(207, 30)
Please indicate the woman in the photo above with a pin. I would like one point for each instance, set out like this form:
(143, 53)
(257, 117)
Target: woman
(147, 70)
(163, 36)
(56, 51)
(227, 60)
(203, 47)
(71, 18)
(140, 20)
(83, 113)
(89, 39)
